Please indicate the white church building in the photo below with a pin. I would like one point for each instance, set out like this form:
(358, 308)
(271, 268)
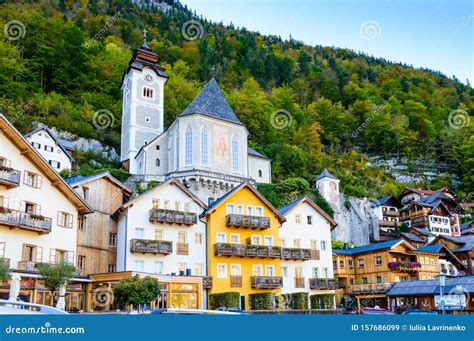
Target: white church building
(206, 146)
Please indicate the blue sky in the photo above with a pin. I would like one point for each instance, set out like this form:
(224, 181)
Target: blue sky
(437, 34)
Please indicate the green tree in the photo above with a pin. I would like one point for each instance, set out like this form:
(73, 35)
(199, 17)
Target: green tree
(55, 275)
(136, 291)
(4, 270)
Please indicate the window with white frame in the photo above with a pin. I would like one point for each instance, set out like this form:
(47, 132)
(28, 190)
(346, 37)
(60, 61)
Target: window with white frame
(205, 146)
(297, 243)
(256, 240)
(198, 237)
(111, 267)
(259, 211)
(240, 209)
(313, 244)
(139, 265)
(235, 238)
(268, 241)
(48, 148)
(230, 208)
(198, 269)
(182, 268)
(188, 143)
(221, 238)
(298, 218)
(148, 92)
(257, 270)
(65, 219)
(112, 239)
(159, 234)
(284, 271)
(159, 268)
(235, 153)
(282, 242)
(221, 270)
(323, 245)
(249, 210)
(316, 272)
(270, 270)
(235, 270)
(139, 233)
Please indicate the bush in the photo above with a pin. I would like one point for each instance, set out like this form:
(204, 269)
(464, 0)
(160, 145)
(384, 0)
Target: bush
(325, 301)
(262, 301)
(229, 299)
(136, 291)
(299, 300)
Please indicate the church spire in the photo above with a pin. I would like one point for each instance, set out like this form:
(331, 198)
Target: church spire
(145, 45)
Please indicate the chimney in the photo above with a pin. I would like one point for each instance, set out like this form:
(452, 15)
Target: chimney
(346, 246)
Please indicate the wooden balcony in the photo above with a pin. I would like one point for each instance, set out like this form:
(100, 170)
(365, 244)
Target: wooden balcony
(151, 246)
(266, 282)
(323, 283)
(225, 249)
(207, 282)
(299, 282)
(391, 213)
(297, 254)
(247, 222)
(376, 288)
(399, 266)
(388, 223)
(164, 216)
(9, 177)
(182, 248)
(236, 281)
(26, 221)
(263, 251)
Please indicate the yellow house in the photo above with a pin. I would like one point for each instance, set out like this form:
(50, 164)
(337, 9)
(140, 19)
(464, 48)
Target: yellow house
(242, 244)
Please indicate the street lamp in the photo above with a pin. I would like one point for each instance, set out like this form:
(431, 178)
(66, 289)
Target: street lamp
(442, 284)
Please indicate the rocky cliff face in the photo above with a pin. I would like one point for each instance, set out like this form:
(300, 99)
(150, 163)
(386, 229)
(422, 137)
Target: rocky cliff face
(356, 222)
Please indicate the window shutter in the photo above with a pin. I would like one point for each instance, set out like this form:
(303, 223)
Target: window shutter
(37, 209)
(25, 252)
(52, 256)
(39, 254)
(69, 222)
(25, 177)
(70, 257)
(8, 163)
(5, 202)
(39, 181)
(23, 206)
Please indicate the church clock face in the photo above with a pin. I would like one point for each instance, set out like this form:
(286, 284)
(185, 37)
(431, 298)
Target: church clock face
(149, 78)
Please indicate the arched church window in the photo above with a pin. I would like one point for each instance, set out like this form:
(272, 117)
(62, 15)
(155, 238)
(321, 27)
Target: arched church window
(235, 153)
(157, 162)
(205, 145)
(260, 173)
(189, 145)
(147, 92)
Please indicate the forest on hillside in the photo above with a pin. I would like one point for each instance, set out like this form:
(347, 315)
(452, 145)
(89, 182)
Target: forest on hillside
(305, 107)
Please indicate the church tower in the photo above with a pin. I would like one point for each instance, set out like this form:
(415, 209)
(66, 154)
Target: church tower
(328, 185)
(142, 104)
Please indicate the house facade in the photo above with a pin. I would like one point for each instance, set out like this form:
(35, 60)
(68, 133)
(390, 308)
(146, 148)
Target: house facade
(308, 227)
(386, 210)
(242, 244)
(39, 212)
(51, 148)
(368, 272)
(97, 232)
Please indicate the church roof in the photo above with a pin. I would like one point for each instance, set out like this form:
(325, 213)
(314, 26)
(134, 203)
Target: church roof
(212, 102)
(326, 174)
(253, 152)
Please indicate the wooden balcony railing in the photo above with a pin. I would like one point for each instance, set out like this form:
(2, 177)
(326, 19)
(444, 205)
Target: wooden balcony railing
(299, 282)
(368, 288)
(207, 282)
(182, 248)
(9, 177)
(399, 266)
(25, 220)
(263, 251)
(160, 215)
(391, 213)
(151, 246)
(247, 221)
(266, 282)
(236, 281)
(323, 283)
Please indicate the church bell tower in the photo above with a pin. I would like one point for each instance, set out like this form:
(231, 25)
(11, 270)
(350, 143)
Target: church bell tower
(142, 104)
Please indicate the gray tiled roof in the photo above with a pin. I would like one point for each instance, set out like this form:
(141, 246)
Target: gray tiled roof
(212, 102)
(253, 152)
(431, 287)
(326, 174)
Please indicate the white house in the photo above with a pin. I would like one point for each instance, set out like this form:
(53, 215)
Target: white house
(205, 147)
(51, 148)
(159, 232)
(38, 210)
(307, 226)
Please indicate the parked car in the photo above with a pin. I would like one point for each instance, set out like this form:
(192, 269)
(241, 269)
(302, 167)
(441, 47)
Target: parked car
(232, 310)
(192, 312)
(25, 308)
(376, 311)
(419, 312)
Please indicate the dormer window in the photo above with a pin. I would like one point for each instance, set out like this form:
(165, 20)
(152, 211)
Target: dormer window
(147, 92)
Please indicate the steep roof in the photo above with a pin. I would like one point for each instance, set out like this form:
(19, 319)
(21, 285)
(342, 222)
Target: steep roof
(431, 248)
(368, 248)
(412, 237)
(287, 208)
(79, 180)
(325, 174)
(389, 199)
(37, 159)
(253, 152)
(211, 102)
(431, 287)
(213, 206)
(61, 144)
(465, 243)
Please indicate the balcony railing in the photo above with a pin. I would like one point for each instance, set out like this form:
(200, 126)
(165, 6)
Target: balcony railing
(25, 220)
(323, 283)
(299, 282)
(391, 213)
(207, 282)
(266, 282)
(182, 248)
(369, 288)
(27, 265)
(151, 246)
(247, 221)
(263, 251)
(9, 177)
(160, 215)
(236, 281)
(388, 223)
